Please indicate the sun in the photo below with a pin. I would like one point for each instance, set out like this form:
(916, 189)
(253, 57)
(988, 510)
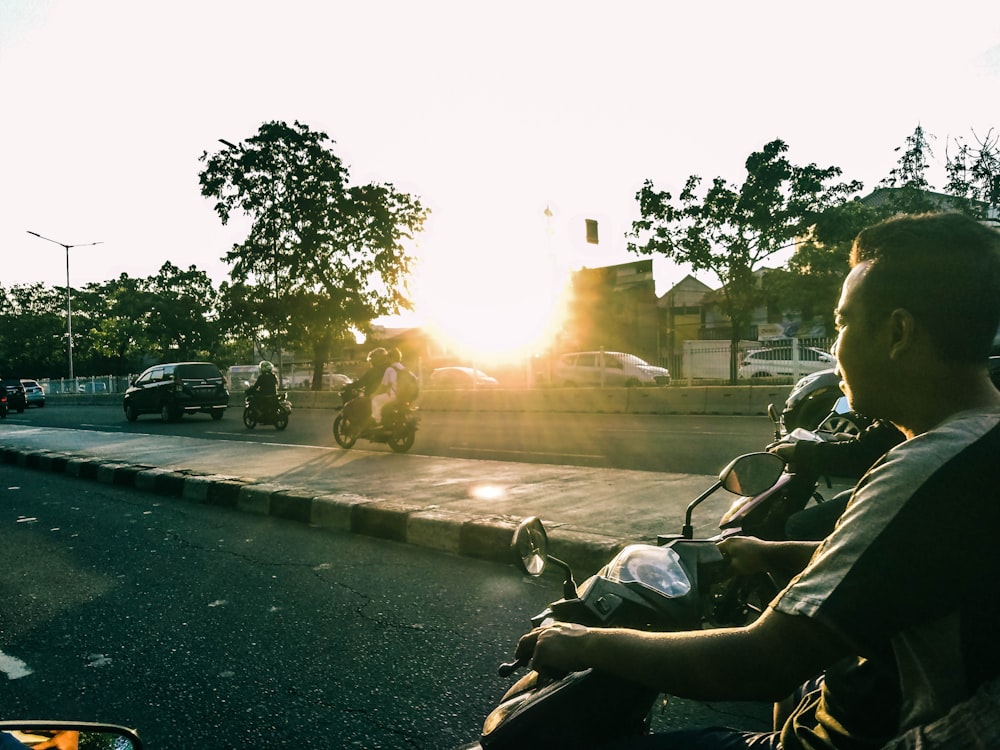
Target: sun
(500, 309)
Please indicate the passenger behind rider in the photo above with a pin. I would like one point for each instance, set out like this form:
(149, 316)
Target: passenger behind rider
(901, 587)
(849, 457)
(264, 391)
(358, 410)
(386, 391)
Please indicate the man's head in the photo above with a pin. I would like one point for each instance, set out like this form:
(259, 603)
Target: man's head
(376, 357)
(394, 355)
(922, 289)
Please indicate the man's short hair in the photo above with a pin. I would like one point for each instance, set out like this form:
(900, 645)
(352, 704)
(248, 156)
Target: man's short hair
(944, 268)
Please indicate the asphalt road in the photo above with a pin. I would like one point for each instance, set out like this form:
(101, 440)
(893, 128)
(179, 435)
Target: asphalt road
(691, 444)
(203, 626)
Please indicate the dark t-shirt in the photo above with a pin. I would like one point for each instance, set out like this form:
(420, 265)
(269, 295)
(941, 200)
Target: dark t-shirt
(909, 577)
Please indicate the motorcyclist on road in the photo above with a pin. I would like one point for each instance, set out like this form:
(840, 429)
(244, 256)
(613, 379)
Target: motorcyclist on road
(264, 391)
(358, 410)
(386, 391)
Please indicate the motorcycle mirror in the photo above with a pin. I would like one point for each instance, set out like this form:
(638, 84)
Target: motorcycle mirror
(77, 733)
(772, 413)
(530, 545)
(752, 473)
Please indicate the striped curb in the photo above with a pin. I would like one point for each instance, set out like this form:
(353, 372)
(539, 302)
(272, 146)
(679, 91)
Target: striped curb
(466, 534)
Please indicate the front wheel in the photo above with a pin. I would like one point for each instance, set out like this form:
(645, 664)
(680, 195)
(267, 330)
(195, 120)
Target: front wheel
(249, 418)
(131, 413)
(402, 441)
(340, 434)
(281, 421)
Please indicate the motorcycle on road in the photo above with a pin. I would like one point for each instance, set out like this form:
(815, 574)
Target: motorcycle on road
(398, 429)
(268, 411)
(681, 583)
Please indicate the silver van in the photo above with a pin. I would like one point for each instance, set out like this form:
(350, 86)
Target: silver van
(607, 368)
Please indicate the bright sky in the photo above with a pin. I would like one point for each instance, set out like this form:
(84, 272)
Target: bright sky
(488, 113)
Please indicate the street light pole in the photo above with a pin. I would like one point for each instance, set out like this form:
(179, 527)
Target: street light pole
(69, 307)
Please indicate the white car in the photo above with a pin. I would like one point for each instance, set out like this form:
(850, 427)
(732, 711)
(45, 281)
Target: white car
(777, 361)
(607, 368)
(461, 377)
(34, 394)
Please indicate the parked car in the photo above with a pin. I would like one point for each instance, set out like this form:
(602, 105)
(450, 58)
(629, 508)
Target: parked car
(461, 377)
(94, 386)
(336, 380)
(777, 361)
(34, 394)
(607, 368)
(178, 388)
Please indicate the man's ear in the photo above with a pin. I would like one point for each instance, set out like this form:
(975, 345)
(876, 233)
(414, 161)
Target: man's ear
(902, 332)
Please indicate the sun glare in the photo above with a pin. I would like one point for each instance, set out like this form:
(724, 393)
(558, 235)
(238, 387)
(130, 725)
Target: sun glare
(497, 312)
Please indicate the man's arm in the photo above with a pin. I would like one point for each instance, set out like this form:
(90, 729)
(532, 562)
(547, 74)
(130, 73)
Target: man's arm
(763, 661)
(749, 555)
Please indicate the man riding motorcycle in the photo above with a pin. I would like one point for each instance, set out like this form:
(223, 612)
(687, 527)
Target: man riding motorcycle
(263, 394)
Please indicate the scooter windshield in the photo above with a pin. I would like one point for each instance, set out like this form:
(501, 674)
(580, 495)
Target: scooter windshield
(657, 568)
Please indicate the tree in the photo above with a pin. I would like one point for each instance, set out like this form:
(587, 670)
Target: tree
(33, 331)
(974, 174)
(731, 230)
(910, 191)
(312, 235)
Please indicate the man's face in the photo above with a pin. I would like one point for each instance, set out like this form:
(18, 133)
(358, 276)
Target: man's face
(861, 353)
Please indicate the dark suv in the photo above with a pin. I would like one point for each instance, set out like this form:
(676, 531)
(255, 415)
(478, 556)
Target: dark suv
(175, 389)
(16, 399)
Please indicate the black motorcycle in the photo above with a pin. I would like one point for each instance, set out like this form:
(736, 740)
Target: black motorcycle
(274, 410)
(681, 583)
(3, 407)
(398, 429)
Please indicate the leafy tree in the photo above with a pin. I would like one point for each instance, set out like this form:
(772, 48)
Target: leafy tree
(731, 230)
(910, 191)
(974, 174)
(182, 325)
(313, 236)
(33, 331)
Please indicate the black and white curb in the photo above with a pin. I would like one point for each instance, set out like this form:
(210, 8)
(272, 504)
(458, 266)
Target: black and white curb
(484, 537)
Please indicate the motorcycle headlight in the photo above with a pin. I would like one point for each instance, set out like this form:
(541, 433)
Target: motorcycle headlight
(657, 568)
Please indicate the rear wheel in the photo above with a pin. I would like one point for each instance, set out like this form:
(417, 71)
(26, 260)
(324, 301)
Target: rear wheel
(217, 414)
(340, 434)
(400, 442)
(249, 418)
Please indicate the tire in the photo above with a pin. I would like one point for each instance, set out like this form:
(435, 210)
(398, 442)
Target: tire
(761, 375)
(131, 413)
(217, 414)
(343, 440)
(400, 442)
(632, 383)
(846, 423)
(281, 421)
(249, 418)
(168, 413)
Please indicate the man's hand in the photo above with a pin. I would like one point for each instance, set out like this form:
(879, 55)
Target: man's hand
(784, 451)
(746, 554)
(558, 647)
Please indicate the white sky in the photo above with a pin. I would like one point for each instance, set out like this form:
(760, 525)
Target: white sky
(488, 113)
